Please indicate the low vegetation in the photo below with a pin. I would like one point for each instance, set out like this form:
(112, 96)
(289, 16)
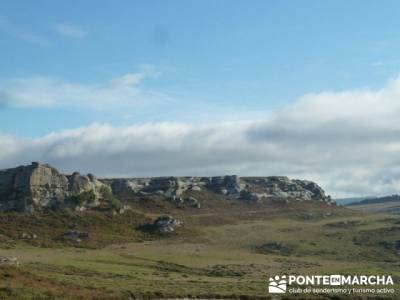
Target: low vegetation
(109, 200)
(104, 228)
(221, 251)
(84, 197)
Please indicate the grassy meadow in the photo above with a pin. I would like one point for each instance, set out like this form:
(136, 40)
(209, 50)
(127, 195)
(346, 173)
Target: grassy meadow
(221, 251)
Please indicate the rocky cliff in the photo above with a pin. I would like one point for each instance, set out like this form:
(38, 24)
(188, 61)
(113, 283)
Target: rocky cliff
(40, 186)
(231, 187)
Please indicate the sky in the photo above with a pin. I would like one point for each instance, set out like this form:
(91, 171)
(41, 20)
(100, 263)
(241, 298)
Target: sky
(306, 89)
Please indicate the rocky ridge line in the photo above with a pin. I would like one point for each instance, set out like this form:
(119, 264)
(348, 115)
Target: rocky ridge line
(39, 187)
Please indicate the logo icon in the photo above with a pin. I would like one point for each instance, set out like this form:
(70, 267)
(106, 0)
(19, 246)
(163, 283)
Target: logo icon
(335, 280)
(277, 284)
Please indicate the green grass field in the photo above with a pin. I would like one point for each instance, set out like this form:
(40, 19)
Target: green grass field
(222, 251)
(385, 207)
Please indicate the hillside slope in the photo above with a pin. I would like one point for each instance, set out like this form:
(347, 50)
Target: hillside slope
(387, 204)
(220, 251)
(179, 237)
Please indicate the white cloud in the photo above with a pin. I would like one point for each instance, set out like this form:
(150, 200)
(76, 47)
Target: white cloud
(128, 79)
(122, 92)
(349, 142)
(69, 30)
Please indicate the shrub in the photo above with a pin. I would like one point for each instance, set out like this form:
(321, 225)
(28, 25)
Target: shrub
(84, 197)
(109, 199)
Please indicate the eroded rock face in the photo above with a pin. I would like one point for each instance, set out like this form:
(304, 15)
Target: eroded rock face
(281, 187)
(82, 183)
(26, 188)
(168, 186)
(227, 185)
(250, 189)
(40, 186)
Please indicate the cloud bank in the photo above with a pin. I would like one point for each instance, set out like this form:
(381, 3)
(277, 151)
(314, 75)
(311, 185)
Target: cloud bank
(349, 142)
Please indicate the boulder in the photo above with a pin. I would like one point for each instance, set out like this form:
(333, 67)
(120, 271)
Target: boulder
(163, 183)
(166, 224)
(166, 186)
(275, 248)
(28, 236)
(82, 183)
(121, 186)
(126, 186)
(170, 186)
(183, 201)
(195, 188)
(8, 260)
(193, 202)
(76, 235)
(227, 185)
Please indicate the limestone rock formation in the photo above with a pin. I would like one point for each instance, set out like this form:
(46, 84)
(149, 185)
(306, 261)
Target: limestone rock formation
(27, 187)
(40, 186)
(227, 185)
(231, 187)
(79, 184)
(281, 187)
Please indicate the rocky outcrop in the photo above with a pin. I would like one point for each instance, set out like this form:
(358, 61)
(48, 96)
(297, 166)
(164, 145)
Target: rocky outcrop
(168, 186)
(251, 189)
(40, 186)
(227, 185)
(76, 236)
(79, 184)
(166, 224)
(185, 201)
(281, 187)
(124, 186)
(28, 236)
(27, 187)
(275, 248)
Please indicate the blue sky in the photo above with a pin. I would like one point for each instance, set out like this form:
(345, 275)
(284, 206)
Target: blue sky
(257, 55)
(235, 83)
